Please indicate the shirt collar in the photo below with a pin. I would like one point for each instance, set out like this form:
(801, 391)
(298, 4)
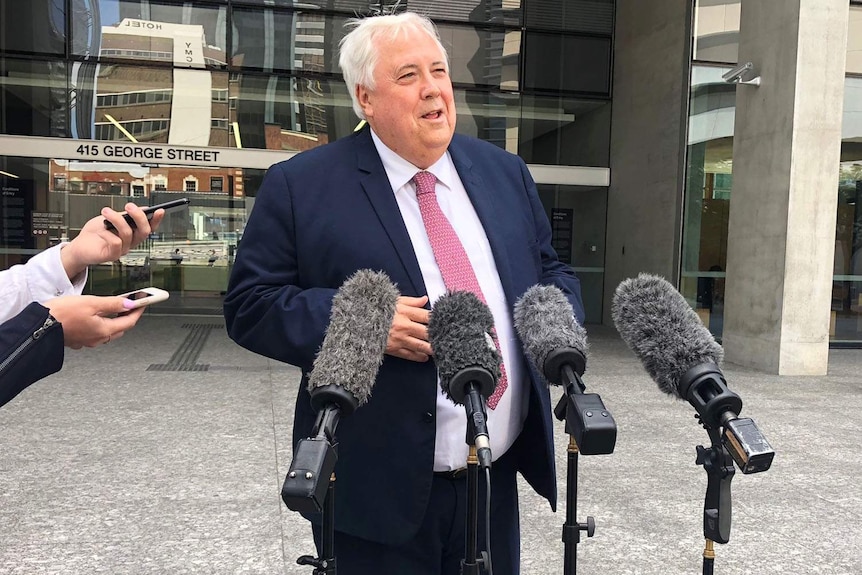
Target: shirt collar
(400, 172)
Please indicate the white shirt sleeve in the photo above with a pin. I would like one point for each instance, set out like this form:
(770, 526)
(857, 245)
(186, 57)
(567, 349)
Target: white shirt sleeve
(40, 279)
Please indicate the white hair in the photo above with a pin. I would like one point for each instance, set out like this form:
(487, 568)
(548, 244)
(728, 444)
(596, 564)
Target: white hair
(358, 53)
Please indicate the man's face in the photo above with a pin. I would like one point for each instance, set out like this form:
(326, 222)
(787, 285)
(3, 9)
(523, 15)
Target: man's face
(412, 108)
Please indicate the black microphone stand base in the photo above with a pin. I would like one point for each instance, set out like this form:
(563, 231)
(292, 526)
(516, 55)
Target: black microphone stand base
(572, 528)
(326, 563)
(473, 563)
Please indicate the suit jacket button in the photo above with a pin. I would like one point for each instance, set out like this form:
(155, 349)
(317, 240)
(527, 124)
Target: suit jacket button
(428, 417)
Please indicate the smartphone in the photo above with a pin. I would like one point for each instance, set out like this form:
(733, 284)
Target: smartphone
(146, 296)
(149, 211)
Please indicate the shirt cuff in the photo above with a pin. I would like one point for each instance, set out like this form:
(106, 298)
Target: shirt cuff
(47, 277)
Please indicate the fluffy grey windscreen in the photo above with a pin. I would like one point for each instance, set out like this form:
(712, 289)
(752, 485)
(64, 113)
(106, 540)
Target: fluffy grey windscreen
(355, 340)
(459, 331)
(545, 322)
(662, 330)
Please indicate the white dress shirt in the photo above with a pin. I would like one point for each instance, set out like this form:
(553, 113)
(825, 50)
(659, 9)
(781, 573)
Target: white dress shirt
(504, 422)
(40, 279)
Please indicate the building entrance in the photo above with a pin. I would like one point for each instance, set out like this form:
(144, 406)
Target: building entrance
(51, 190)
(48, 200)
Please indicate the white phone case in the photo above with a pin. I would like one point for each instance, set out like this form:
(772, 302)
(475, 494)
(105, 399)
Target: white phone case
(146, 296)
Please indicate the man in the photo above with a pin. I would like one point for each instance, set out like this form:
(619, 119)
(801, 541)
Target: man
(41, 308)
(352, 205)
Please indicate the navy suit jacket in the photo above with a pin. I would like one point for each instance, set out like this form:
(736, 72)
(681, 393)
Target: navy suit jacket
(330, 211)
(29, 351)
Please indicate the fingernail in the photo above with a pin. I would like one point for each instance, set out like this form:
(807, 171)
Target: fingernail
(128, 304)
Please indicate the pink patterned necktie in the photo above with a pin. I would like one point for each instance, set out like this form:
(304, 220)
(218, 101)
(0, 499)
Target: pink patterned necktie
(451, 257)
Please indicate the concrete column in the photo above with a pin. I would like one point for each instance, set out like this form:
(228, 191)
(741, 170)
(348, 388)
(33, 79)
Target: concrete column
(786, 149)
(647, 160)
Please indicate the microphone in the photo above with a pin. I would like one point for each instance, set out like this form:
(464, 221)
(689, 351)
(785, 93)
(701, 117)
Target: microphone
(556, 344)
(352, 351)
(682, 357)
(341, 379)
(467, 360)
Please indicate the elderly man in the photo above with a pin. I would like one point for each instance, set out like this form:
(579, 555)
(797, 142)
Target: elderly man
(383, 199)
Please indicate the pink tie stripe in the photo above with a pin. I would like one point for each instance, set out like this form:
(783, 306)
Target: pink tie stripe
(455, 266)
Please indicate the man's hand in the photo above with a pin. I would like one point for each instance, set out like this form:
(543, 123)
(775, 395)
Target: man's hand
(408, 336)
(92, 320)
(96, 244)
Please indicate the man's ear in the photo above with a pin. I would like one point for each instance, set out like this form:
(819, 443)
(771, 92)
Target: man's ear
(363, 96)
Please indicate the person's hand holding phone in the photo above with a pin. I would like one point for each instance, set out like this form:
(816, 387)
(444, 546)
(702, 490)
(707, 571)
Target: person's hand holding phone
(90, 320)
(96, 243)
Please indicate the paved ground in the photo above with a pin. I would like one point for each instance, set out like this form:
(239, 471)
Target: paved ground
(123, 463)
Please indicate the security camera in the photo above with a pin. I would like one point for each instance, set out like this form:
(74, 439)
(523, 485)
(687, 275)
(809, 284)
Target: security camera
(738, 75)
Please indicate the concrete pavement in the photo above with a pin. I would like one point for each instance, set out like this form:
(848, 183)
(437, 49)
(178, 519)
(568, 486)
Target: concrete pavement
(165, 451)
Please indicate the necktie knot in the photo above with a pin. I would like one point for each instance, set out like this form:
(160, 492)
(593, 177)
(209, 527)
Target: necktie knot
(425, 182)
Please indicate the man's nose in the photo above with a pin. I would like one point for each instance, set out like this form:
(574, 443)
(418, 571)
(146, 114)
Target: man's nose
(430, 89)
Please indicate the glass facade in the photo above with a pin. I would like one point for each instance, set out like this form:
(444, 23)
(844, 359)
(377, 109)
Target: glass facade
(709, 175)
(123, 77)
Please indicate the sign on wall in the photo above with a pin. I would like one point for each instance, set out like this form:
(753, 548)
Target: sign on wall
(16, 208)
(561, 233)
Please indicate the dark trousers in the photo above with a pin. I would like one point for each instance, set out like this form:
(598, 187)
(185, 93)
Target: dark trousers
(439, 546)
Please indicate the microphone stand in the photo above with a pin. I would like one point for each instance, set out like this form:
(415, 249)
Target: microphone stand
(571, 528)
(325, 564)
(315, 458)
(718, 464)
(473, 564)
(472, 386)
(592, 431)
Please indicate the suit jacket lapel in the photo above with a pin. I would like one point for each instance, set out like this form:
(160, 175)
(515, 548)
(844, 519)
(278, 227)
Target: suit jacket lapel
(376, 185)
(492, 220)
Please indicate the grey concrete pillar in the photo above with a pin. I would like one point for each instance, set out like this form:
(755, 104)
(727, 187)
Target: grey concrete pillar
(786, 148)
(648, 126)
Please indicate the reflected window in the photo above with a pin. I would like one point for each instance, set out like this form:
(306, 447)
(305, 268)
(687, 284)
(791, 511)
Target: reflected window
(709, 180)
(35, 96)
(566, 131)
(156, 105)
(284, 40)
(478, 11)
(33, 27)
(716, 33)
(482, 57)
(846, 320)
(296, 41)
(854, 40)
(594, 17)
(190, 254)
(560, 63)
(183, 34)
